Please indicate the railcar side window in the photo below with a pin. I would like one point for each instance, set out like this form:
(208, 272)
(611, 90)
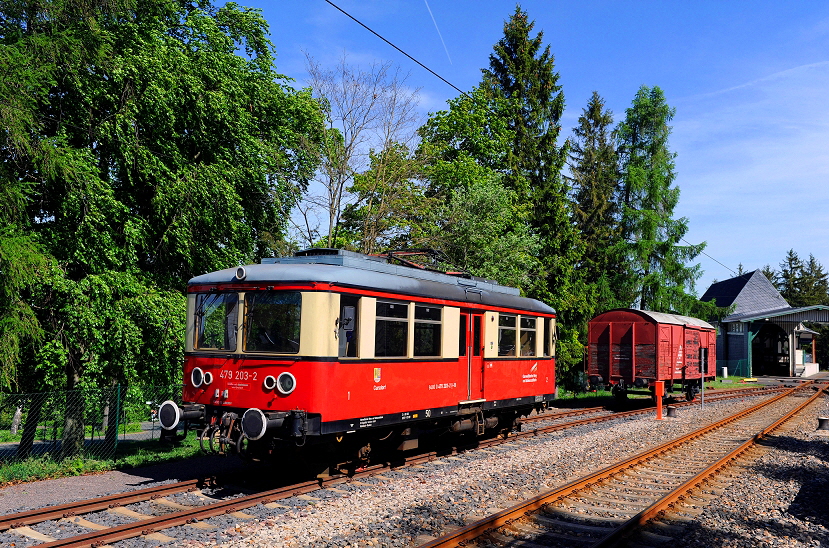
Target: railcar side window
(506, 335)
(427, 331)
(347, 327)
(392, 330)
(216, 321)
(272, 321)
(462, 336)
(528, 336)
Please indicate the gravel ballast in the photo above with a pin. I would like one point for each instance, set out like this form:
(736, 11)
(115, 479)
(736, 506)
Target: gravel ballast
(781, 499)
(427, 501)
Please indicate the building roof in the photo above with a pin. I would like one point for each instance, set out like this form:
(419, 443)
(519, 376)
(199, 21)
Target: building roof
(750, 293)
(818, 313)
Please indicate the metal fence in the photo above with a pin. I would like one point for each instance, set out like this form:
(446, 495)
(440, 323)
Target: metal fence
(738, 368)
(93, 423)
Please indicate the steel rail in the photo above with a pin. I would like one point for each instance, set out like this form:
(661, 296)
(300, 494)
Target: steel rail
(70, 509)
(172, 519)
(679, 493)
(509, 515)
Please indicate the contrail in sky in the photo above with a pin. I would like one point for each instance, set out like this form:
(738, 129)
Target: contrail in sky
(436, 28)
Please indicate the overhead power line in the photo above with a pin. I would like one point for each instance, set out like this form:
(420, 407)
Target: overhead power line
(453, 86)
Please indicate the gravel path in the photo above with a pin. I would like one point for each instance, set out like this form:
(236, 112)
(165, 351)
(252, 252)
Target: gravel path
(417, 503)
(26, 496)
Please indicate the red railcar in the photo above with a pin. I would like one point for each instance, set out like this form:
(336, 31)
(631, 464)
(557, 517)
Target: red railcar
(633, 348)
(342, 349)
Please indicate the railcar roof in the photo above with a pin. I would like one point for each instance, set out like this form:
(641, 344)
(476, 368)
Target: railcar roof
(662, 317)
(360, 271)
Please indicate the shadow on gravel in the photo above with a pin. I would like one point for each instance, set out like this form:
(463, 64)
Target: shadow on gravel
(193, 468)
(811, 503)
(755, 532)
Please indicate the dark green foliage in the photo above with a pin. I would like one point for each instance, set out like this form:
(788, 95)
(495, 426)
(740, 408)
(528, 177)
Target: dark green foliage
(654, 250)
(522, 73)
(150, 152)
(595, 178)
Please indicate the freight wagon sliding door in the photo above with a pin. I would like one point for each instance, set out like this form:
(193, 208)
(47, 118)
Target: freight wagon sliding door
(665, 364)
(472, 345)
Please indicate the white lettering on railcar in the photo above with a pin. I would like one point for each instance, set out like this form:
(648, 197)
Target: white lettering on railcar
(381, 387)
(531, 377)
(442, 385)
(369, 421)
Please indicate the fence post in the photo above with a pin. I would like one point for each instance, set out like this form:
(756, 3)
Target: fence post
(117, 418)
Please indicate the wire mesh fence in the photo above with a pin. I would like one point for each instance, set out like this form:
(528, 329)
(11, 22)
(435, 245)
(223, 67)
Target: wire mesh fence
(92, 423)
(738, 368)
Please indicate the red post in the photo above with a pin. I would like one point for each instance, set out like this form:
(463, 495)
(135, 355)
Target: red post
(660, 391)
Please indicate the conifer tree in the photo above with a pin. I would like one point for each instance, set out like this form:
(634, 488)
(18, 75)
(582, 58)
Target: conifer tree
(789, 278)
(648, 201)
(594, 176)
(522, 73)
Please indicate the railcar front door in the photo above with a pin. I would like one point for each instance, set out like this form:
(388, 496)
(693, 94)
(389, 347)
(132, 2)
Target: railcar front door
(474, 350)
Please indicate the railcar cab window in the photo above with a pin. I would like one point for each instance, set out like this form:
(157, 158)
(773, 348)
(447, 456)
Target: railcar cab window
(272, 320)
(547, 336)
(427, 331)
(528, 336)
(392, 330)
(506, 335)
(216, 321)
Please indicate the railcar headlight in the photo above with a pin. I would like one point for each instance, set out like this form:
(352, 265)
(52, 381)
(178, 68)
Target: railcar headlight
(197, 377)
(269, 383)
(208, 378)
(285, 383)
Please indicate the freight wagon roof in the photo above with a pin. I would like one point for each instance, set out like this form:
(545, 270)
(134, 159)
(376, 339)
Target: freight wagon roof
(662, 317)
(360, 271)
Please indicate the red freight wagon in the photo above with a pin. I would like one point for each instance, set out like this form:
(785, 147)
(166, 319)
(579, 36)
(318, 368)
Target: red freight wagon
(633, 348)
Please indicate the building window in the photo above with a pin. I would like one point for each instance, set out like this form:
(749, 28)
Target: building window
(392, 330)
(427, 331)
(272, 321)
(736, 327)
(216, 321)
(527, 336)
(506, 335)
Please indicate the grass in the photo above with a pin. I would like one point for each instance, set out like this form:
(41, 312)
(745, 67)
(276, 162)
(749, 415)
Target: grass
(47, 433)
(131, 454)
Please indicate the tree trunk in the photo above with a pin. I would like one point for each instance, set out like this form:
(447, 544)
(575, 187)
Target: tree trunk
(73, 428)
(111, 415)
(30, 427)
(18, 416)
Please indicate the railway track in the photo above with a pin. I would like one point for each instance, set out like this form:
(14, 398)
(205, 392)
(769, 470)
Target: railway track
(177, 514)
(606, 507)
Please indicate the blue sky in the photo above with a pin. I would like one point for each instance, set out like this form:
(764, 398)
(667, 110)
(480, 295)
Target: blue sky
(749, 81)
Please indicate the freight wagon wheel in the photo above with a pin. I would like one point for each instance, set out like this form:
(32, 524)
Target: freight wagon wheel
(619, 393)
(690, 393)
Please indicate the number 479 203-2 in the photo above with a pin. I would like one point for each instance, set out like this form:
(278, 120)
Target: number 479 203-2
(235, 375)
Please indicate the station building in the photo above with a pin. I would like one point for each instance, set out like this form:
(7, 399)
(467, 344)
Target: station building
(764, 335)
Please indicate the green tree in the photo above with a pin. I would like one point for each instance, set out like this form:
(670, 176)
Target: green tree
(478, 222)
(664, 281)
(153, 152)
(522, 72)
(595, 179)
(815, 283)
(789, 279)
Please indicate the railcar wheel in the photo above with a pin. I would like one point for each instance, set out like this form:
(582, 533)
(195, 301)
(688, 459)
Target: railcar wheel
(619, 393)
(215, 441)
(204, 444)
(690, 394)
